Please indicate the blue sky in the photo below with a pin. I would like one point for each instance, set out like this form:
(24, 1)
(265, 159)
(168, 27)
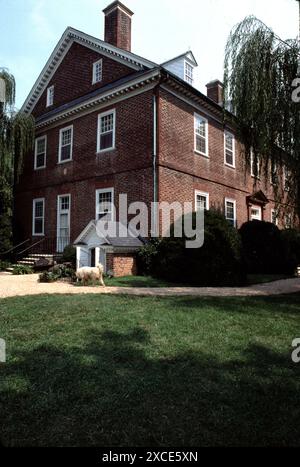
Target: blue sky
(162, 29)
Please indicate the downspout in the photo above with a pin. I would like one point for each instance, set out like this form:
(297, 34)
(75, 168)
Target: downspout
(155, 230)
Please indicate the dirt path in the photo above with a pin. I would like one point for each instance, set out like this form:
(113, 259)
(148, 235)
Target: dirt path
(12, 286)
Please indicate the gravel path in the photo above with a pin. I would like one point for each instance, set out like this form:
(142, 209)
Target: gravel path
(12, 286)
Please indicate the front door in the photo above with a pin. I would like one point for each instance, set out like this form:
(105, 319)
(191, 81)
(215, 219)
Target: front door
(63, 222)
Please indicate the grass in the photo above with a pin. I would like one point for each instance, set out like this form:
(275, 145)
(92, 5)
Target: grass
(138, 281)
(131, 371)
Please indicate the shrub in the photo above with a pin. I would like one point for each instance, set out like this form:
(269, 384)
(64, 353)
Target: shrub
(47, 277)
(264, 249)
(146, 257)
(69, 255)
(4, 265)
(22, 270)
(217, 263)
(291, 239)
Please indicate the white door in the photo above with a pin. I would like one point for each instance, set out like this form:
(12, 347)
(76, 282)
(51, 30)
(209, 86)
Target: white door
(256, 213)
(63, 222)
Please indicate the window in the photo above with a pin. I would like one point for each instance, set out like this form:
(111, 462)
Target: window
(40, 153)
(274, 175)
(65, 144)
(188, 73)
(105, 204)
(201, 135)
(97, 72)
(230, 211)
(288, 221)
(287, 179)
(274, 217)
(38, 217)
(63, 221)
(50, 96)
(256, 214)
(229, 149)
(106, 131)
(201, 201)
(255, 173)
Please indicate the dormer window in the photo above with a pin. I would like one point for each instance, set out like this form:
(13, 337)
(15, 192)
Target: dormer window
(97, 72)
(50, 96)
(188, 73)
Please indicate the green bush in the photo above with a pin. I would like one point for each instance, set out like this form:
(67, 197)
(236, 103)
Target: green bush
(47, 277)
(69, 255)
(265, 249)
(22, 270)
(291, 239)
(4, 265)
(146, 257)
(217, 263)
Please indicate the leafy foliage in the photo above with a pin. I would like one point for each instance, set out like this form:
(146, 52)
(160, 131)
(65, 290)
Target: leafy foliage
(259, 72)
(22, 270)
(217, 263)
(16, 140)
(69, 255)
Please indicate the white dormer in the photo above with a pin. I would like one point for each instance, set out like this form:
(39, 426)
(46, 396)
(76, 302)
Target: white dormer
(183, 66)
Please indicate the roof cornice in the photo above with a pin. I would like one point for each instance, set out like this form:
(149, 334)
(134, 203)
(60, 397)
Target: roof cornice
(68, 38)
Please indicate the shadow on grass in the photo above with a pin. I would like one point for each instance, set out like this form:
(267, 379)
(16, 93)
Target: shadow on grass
(111, 393)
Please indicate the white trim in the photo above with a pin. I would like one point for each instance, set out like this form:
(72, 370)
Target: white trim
(60, 144)
(273, 211)
(186, 77)
(252, 166)
(206, 154)
(36, 154)
(255, 218)
(228, 133)
(106, 190)
(95, 80)
(35, 201)
(204, 195)
(232, 201)
(100, 116)
(50, 94)
(58, 217)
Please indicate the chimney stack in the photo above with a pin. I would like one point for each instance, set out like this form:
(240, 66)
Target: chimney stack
(215, 91)
(118, 25)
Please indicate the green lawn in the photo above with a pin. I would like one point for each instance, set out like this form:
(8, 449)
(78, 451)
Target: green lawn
(94, 370)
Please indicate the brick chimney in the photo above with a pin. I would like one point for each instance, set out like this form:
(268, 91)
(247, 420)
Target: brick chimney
(118, 25)
(215, 91)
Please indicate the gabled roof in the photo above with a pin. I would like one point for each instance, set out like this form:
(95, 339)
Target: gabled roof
(70, 36)
(132, 240)
(259, 197)
(187, 55)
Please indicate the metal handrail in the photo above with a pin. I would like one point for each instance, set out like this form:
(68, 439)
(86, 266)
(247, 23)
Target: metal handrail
(31, 246)
(14, 248)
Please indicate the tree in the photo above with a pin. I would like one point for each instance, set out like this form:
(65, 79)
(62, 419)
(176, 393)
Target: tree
(260, 69)
(16, 140)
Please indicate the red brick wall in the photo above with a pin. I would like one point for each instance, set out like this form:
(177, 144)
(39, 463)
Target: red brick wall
(73, 78)
(121, 264)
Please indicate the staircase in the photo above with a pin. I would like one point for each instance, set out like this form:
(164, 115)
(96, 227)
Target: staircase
(31, 259)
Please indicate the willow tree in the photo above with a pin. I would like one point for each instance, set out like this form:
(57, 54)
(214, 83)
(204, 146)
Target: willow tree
(260, 70)
(16, 140)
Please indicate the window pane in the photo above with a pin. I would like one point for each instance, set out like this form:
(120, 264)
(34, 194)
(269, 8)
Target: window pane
(65, 203)
(66, 137)
(107, 123)
(41, 146)
(229, 157)
(38, 226)
(200, 144)
(106, 141)
(39, 209)
(65, 153)
(40, 160)
(201, 202)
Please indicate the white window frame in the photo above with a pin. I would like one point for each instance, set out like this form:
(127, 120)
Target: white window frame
(100, 116)
(252, 167)
(260, 211)
(273, 211)
(196, 116)
(204, 195)
(105, 190)
(35, 201)
(36, 154)
(228, 133)
(288, 221)
(50, 96)
(95, 80)
(233, 201)
(187, 78)
(60, 144)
